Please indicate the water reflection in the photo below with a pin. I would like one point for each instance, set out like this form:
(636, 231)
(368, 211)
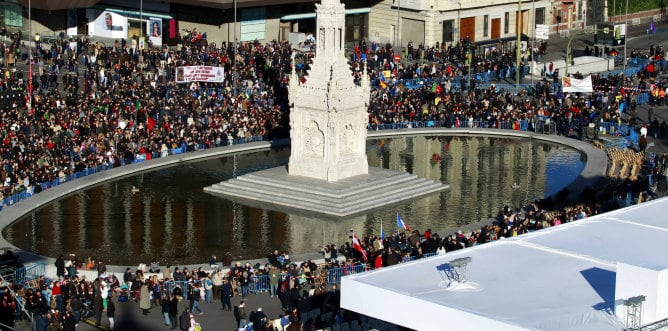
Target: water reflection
(171, 220)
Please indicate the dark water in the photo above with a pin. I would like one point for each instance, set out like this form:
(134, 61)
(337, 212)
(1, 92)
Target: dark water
(171, 220)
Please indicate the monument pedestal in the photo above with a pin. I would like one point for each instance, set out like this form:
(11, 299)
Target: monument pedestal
(352, 196)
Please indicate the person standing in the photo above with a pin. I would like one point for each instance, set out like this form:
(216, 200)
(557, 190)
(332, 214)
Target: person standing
(195, 297)
(97, 305)
(166, 303)
(217, 280)
(60, 266)
(111, 312)
(240, 315)
(184, 320)
(274, 278)
(226, 295)
(69, 322)
(208, 288)
(173, 311)
(144, 299)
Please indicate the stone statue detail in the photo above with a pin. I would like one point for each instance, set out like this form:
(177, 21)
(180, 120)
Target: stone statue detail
(328, 117)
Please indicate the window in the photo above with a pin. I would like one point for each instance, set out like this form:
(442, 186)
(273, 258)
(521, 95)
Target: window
(540, 15)
(485, 26)
(506, 23)
(448, 31)
(579, 11)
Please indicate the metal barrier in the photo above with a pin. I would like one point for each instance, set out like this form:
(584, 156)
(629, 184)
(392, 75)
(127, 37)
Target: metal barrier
(106, 166)
(334, 275)
(29, 272)
(172, 284)
(259, 284)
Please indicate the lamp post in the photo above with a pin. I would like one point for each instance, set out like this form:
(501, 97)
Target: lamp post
(397, 41)
(29, 103)
(626, 30)
(533, 41)
(518, 49)
(234, 52)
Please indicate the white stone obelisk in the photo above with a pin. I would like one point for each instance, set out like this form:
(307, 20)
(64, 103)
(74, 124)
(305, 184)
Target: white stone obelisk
(328, 117)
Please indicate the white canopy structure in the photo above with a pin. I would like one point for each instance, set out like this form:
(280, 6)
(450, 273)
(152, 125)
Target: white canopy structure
(606, 272)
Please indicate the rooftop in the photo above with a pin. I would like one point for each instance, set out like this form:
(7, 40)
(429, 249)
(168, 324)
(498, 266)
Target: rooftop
(561, 278)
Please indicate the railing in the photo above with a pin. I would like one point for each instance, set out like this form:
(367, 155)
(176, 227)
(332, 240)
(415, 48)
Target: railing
(30, 272)
(259, 284)
(334, 274)
(172, 284)
(11, 200)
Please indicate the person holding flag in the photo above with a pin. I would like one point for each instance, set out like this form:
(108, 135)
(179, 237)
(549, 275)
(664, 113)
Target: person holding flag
(357, 245)
(401, 224)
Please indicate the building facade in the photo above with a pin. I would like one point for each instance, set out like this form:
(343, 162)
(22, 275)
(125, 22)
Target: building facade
(382, 21)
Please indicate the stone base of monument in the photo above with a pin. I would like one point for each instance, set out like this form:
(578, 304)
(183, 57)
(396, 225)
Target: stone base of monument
(348, 197)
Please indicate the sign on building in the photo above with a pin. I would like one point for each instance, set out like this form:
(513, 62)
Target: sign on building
(542, 31)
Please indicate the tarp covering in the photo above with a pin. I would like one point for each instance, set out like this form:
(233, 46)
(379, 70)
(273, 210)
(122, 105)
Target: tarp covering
(561, 278)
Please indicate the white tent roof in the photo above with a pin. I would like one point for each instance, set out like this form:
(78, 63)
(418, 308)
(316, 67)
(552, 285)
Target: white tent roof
(560, 278)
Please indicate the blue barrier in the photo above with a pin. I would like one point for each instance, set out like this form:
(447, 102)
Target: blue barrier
(172, 284)
(8, 201)
(29, 272)
(642, 98)
(334, 275)
(259, 284)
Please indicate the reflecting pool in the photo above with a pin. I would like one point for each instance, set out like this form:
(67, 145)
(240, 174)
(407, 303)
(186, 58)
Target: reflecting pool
(169, 219)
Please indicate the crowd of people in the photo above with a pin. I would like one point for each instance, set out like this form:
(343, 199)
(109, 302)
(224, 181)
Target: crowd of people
(93, 105)
(97, 106)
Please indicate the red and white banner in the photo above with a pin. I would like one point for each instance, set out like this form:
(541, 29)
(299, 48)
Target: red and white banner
(207, 74)
(570, 84)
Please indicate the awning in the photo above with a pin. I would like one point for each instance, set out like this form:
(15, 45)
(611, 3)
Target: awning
(59, 4)
(294, 17)
(138, 14)
(500, 40)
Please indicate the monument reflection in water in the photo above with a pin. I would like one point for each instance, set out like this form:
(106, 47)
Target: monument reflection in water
(171, 220)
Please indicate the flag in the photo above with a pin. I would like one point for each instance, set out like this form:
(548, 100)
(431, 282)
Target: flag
(381, 78)
(150, 124)
(358, 246)
(652, 28)
(435, 159)
(436, 88)
(382, 233)
(570, 84)
(401, 224)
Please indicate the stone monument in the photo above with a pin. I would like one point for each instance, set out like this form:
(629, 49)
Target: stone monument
(328, 173)
(328, 118)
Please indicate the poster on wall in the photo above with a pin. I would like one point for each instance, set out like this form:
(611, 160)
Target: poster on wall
(107, 24)
(207, 74)
(154, 28)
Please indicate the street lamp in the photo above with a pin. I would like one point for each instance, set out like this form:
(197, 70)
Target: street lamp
(626, 30)
(397, 42)
(30, 37)
(518, 49)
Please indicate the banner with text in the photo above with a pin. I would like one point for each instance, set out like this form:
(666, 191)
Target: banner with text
(570, 84)
(207, 74)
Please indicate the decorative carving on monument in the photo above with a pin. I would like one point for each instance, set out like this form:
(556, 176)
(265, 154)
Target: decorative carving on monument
(348, 139)
(314, 139)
